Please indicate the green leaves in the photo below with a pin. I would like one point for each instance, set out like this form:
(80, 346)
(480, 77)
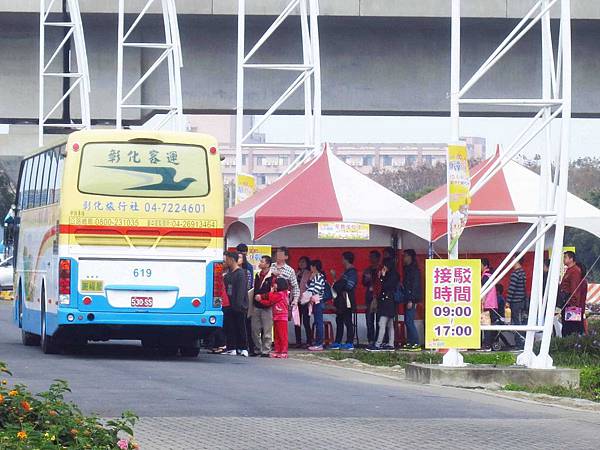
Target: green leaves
(46, 421)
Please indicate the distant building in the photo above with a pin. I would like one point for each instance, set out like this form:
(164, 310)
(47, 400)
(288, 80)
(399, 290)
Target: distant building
(267, 164)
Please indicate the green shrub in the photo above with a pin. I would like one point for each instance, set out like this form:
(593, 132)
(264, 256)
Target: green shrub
(494, 359)
(47, 422)
(575, 351)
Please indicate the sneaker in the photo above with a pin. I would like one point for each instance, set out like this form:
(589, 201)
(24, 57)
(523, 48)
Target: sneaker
(413, 348)
(373, 348)
(230, 353)
(347, 347)
(244, 353)
(265, 355)
(485, 349)
(273, 355)
(335, 346)
(254, 354)
(283, 355)
(389, 348)
(315, 348)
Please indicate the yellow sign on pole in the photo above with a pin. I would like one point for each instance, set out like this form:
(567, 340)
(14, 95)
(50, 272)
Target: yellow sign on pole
(452, 303)
(245, 187)
(459, 185)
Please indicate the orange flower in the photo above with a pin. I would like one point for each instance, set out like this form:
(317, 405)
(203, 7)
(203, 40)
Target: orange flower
(13, 393)
(26, 406)
(1, 399)
(22, 435)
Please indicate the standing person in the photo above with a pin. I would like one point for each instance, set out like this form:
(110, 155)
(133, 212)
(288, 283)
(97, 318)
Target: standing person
(237, 291)
(345, 303)
(242, 250)
(262, 319)
(303, 276)
(372, 284)
(515, 298)
(278, 300)
(570, 298)
(220, 335)
(489, 303)
(281, 269)
(316, 286)
(386, 306)
(413, 295)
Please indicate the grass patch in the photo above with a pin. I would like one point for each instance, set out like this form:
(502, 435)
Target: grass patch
(385, 359)
(390, 359)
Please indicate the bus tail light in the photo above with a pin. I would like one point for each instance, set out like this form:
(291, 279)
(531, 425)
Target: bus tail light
(217, 284)
(64, 281)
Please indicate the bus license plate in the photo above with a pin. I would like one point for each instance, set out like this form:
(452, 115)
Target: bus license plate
(142, 302)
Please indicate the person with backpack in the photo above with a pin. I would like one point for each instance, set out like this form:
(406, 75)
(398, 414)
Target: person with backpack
(317, 286)
(413, 295)
(262, 319)
(386, 305)
(372, 285)
(345, 303)
(278, 300)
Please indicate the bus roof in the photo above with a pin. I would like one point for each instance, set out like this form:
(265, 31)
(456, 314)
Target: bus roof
(126, 135)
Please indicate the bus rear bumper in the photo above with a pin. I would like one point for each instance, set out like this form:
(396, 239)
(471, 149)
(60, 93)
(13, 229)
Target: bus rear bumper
(73, 316)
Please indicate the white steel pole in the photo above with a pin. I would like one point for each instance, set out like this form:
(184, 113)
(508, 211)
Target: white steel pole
(453, 357)
(121, 31)
(41, 73)
(307, 61)
(239, 123)
(316, 55)
(537, 293)
(543, 360)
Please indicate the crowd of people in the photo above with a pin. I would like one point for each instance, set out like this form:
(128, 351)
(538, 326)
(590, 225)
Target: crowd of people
(570, 301)
(257, 307)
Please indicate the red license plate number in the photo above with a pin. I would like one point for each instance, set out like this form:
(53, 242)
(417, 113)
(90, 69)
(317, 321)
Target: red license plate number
(142, 302)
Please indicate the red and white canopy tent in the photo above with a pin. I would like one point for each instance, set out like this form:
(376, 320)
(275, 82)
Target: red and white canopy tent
(514, 188)
(323, 189)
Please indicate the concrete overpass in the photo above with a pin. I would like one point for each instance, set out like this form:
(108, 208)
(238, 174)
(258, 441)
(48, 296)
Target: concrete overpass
(378, 56)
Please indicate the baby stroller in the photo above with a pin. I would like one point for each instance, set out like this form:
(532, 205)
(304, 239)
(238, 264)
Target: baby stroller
(502, 339)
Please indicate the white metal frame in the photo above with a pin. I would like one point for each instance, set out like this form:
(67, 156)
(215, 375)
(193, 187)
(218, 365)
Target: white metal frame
(555, 105)
(309, 77)
(171, 53)
(79, 79)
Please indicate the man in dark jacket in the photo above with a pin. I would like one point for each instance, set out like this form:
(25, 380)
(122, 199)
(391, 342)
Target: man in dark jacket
(516, 297)
(372, 284)
(262, 317)
(413, 295)
(237, 290)
(345, 303)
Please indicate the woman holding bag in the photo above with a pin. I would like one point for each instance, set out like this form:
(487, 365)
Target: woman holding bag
(386, 306)
(489, 305)
(316, 289)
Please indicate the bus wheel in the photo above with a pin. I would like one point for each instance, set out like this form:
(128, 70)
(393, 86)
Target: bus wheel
(189, 352)
(47, 343)
(28, 339)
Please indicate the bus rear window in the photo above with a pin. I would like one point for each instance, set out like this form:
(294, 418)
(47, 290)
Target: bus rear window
(144, 170)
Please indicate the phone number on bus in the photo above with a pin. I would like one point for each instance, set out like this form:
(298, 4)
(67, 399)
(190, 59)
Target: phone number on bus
(128, 222)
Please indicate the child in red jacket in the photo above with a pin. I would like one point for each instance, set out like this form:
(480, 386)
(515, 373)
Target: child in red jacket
(278, 299)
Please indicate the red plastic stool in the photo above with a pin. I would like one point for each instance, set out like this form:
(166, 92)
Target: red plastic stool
(399, 333)
(327, 333)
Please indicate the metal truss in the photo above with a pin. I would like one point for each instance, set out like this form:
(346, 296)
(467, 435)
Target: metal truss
(171, 53)
(73, 33)
(553, 106)
(309, 77)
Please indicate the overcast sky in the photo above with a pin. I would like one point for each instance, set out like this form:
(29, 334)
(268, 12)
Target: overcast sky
(350, 129)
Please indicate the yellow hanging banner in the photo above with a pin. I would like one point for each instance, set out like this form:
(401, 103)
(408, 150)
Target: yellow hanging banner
(459, 199)
(453, 303)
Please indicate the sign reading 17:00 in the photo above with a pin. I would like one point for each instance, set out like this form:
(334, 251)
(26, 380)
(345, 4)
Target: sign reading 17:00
(452, 303)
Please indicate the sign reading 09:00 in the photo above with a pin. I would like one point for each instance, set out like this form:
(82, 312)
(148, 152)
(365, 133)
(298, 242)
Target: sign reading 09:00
(452, 303)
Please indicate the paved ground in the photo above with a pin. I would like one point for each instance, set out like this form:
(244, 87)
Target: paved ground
(230, 402)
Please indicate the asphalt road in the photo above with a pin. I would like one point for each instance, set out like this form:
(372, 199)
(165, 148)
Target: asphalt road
(232, 402)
